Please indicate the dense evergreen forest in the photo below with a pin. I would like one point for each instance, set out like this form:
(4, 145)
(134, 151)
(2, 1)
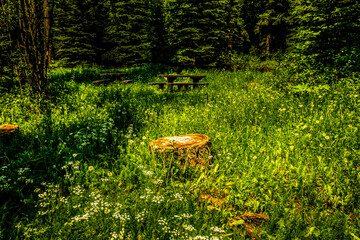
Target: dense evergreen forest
(314, 37)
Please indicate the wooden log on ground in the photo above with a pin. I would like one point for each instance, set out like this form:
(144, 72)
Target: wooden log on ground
(191, 149)
(7, 129)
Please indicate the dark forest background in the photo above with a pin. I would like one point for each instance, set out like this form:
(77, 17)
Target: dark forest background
(310, 38)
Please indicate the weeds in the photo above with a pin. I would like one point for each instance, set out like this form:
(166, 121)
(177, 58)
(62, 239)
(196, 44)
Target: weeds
(79, 166)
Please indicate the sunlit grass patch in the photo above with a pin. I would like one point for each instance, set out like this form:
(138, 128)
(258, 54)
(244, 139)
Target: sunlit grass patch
(80, 167)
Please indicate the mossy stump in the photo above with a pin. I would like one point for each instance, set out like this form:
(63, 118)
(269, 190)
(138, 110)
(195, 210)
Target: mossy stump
(191, 149)
(7, 129)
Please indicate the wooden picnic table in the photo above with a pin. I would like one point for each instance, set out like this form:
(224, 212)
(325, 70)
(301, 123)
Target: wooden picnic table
(170, 78)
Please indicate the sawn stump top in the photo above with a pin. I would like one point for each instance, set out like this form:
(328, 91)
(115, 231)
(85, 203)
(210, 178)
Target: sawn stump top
(180, 141)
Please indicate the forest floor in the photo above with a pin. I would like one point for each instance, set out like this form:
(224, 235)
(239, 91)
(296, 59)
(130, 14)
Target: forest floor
(285, 164)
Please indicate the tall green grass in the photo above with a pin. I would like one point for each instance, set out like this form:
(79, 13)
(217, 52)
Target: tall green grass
(79, 166)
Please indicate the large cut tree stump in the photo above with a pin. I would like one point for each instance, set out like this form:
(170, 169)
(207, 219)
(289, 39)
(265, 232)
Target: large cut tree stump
(192, 149)
(7, 128)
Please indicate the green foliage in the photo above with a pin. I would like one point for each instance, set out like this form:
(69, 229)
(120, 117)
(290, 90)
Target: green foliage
(128, 33)
(325, 38)
(79, 29)
(80, 167)
(273, 26)
(205, 33)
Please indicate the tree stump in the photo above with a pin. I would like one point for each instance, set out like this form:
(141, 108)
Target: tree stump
(7, 128)
(191, 149)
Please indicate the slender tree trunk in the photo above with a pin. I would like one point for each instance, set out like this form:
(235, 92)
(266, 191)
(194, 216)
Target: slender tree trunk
(268, 44)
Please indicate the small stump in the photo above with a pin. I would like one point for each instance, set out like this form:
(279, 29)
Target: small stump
(192, 149)
(7, 128)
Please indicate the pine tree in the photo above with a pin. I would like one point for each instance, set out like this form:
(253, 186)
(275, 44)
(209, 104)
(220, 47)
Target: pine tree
(251, 12)
(127, 34)
(8, 28)
(159, 45)
(198, 32)
(79, 31)
(327, 34)
(273, 26)
(235, 35)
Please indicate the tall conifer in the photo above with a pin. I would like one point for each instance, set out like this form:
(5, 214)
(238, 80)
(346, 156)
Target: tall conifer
(127, 33)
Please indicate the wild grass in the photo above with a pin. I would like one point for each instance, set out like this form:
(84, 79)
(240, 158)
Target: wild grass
(79, 166)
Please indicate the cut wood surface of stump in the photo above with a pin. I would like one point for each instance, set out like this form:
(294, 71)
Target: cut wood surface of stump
(192, 149)
(7, 128)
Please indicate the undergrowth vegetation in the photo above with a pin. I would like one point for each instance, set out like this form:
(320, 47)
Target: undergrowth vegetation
(79, 166)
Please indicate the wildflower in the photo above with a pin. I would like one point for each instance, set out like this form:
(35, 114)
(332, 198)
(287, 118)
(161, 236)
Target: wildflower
(140, 216)
(327, 137)
(91, 168)
(217, 229)
(178, 196)
(158, 181)
(109, 174)
(158, 199)
(148, 173)
(189, 227)
(143, 137)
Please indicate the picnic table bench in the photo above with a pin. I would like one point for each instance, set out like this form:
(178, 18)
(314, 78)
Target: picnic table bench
(111, 77)
(170, 78)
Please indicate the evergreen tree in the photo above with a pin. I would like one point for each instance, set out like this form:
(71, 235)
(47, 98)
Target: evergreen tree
(79, 31)
(161, 51)
(326, 35)
(127, 33)
(235, 35)
(251, 12)
(198, 31)
(8, 30)
(273, 26)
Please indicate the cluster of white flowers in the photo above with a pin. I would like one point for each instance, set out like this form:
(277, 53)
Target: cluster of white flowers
(147, 173)
(199, 237)
(119, 235)
(189, 227)
(178, 196)
(148, 193)
(158, 199)
(162, 222)
(158, 181)
(217, 229)
(141, 216)
(77, 190)
(184, 215)
(79, 218)
(123, 217)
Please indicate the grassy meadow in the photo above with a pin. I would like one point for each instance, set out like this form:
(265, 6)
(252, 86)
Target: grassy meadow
(79, 166)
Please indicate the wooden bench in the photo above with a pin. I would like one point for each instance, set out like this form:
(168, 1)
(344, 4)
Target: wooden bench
(105, 81)
(171, 81)
(111, 77)
(161, 84)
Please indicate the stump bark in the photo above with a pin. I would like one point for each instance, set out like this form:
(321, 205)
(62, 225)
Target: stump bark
(191, 149)
(7, 128)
